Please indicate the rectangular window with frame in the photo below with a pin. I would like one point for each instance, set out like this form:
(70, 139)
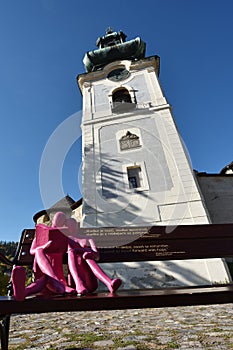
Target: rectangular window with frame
(134, 176)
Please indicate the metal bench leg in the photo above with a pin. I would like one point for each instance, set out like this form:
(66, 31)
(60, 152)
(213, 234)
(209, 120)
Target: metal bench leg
(4, 331)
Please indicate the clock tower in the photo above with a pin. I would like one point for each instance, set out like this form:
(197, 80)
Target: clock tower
(136, 169)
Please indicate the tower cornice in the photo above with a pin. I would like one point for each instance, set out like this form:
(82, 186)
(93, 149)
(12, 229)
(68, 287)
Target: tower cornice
(151, 61)
(137, 114)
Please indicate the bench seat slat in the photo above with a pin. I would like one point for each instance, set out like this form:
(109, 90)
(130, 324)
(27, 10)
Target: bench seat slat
(133, 299)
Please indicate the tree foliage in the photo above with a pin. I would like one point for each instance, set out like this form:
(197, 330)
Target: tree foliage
(8, 249)
(4, 280)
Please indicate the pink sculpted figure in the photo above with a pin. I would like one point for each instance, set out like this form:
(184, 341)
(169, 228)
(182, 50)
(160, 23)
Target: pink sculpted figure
(82, 257)
(48, 248)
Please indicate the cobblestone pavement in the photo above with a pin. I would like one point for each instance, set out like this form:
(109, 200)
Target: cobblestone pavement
(196, 327)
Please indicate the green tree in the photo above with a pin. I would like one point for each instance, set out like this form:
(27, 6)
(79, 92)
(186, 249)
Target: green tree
(4, 280)
(8, 249)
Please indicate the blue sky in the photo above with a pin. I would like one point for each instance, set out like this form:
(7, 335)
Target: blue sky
(42, 44)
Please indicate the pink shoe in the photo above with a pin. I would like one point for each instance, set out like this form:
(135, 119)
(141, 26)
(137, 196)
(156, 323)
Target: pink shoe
(70, 290)
(82, 292)
(115, 284)
(18, 278)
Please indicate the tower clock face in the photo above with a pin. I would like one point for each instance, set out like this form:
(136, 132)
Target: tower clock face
(118, 74)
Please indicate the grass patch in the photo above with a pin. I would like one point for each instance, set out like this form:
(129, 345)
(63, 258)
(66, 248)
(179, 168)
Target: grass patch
(86, 339)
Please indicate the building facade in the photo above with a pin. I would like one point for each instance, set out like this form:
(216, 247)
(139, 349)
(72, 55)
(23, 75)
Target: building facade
(136, 170)
(135, 167)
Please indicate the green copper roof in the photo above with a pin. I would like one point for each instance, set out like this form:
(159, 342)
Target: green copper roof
(112, 47)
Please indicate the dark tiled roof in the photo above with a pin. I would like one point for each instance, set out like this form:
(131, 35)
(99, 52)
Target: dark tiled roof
(66, 204)
(77, 204)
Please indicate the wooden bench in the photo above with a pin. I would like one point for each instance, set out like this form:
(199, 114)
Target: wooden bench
(184, 242)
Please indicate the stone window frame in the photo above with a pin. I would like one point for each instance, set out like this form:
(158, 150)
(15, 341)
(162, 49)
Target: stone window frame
(143, 178)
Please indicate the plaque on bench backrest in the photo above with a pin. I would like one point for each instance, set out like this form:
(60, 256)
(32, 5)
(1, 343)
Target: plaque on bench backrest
(58, 236)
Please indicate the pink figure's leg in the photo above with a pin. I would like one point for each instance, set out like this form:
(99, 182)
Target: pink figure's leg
(45, 266)
(90, 279)
(18, 278)
(36, 286)
(57, 263)
(112, 285)
(55, 286)
(76, 272)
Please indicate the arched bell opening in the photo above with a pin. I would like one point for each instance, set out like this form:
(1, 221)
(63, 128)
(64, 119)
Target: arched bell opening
(122, 101)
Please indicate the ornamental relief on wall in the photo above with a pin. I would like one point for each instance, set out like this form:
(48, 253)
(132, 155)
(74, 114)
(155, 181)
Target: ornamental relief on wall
(129, 141)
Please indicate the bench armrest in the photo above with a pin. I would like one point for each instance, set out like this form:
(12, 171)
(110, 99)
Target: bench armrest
(5, 260)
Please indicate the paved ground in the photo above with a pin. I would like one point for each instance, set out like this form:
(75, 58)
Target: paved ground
(197, 327)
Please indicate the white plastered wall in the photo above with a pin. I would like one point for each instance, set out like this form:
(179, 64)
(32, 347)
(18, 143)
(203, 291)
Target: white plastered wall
(182, 203)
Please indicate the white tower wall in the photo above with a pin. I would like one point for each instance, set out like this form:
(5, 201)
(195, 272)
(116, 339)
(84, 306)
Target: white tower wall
(166, 192)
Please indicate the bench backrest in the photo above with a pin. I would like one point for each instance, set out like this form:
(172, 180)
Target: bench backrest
(182, 242)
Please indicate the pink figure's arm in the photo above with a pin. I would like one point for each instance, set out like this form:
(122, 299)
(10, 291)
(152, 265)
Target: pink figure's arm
(92, 245)
(81, 250)
(34, 247)
(37, 271)
(93, 254)
(78, 246)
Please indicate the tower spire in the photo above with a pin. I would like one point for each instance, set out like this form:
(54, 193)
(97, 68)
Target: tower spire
(109, 30)
(113, 47)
